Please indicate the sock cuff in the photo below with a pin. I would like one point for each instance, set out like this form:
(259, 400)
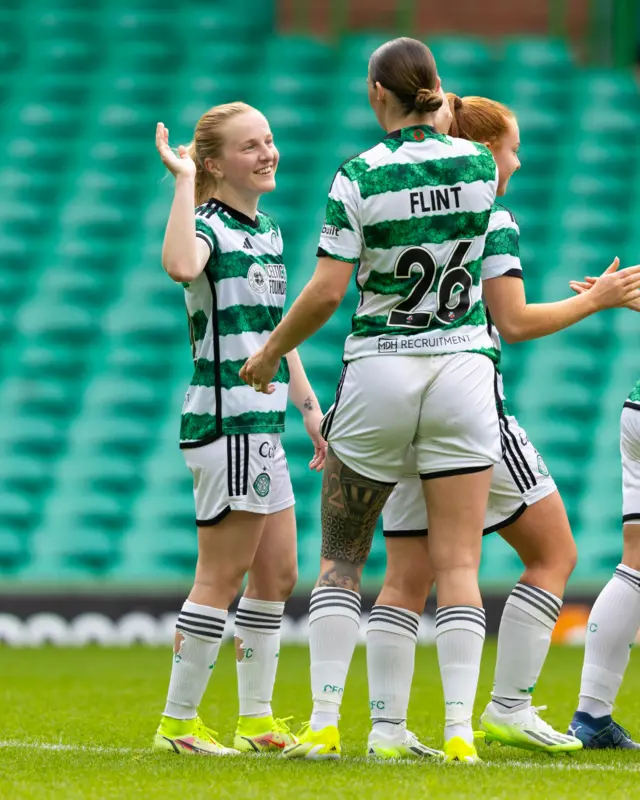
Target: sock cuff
(261, 616)
(466, 618)
(203, 622)
(399, 621)
(332, 601)
(536, 602)
(628, 575)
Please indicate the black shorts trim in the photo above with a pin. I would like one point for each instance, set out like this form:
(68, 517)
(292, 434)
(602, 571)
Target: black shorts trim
(327, 420)
(407, 534)
(506, 522)
(449, 473)
(207, 523)
(630, 517)
(515, 459)
(237, 464)
(631, 404)
(414, 534)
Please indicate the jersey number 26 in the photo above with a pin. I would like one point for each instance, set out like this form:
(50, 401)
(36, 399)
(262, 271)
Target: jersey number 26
(452, 293)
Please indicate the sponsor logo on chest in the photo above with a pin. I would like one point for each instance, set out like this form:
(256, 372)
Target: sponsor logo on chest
(270, 278)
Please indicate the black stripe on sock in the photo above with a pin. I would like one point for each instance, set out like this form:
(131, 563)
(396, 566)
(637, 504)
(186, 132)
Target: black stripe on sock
(324, 601)
(621, 573)
(249, 612)
(343, 598)
(205, 626)
(540, 594)
(206, 634)
(322, 591)
(191, 615)
(445, 611)
(523, 591)
(396, 622)
(538, 606)
(333, 604)
(399, 612)
(258, 626)
(462, 618)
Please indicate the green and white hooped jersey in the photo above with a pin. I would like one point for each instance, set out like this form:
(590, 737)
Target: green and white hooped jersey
(233, 306)
(500, 258)
(413, 212)
(634, 398)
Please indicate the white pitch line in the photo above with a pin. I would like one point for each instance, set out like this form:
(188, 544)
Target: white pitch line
(557, 765)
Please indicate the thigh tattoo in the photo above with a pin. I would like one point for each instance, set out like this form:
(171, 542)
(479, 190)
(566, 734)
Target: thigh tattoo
(351, 505)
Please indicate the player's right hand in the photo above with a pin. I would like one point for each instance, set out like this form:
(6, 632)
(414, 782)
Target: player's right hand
(613, 288)
(179, 164)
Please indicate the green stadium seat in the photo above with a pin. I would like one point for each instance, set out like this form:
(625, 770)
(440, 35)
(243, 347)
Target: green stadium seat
(546, 58)
(298, 55)
(461, 54)
(13, 552)
(24, 477)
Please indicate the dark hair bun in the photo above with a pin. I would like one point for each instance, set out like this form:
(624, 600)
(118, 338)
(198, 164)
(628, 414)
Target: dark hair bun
(427, 100)
(457, 102)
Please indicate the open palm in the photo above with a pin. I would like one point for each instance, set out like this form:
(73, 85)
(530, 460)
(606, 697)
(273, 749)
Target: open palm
(180, 164)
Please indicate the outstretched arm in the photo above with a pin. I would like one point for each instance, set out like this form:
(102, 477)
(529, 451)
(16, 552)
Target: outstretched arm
(518, 321)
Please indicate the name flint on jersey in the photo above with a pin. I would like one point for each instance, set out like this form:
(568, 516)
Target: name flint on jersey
(435, 199)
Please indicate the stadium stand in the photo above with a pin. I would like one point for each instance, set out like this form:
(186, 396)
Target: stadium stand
(94, 352)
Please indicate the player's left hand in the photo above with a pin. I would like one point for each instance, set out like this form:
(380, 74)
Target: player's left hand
(312, 422)
(260, 370)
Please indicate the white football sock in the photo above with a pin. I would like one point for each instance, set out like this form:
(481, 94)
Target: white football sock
(528, 620)
(257, 648)
(334, 620)
(200, 628)
(460, 632)
(392, 634)
(611, 631)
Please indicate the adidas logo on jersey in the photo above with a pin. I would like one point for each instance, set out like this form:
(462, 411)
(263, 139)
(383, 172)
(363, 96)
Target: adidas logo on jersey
(247, 244)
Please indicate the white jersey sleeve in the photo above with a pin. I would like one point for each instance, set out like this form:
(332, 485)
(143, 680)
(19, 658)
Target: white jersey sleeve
(501, 255)
(341, 235)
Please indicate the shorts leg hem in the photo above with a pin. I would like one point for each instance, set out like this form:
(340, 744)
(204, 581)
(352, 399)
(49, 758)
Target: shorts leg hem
(631, 518)
(506, 522)
(209, 523)
(449, 473)
(406, 534)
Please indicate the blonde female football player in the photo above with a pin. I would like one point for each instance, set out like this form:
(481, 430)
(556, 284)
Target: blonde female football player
(412, 214)
(228, 256)
(615, 617)
(524, 504)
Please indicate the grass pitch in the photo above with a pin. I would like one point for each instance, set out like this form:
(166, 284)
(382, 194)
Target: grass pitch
(78, 724)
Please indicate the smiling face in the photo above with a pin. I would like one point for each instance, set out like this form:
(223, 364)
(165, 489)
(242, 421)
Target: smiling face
(249, 158)
(505, 152)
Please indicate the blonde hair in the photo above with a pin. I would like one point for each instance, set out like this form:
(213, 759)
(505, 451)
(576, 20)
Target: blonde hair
(478, 118)
(208, 141)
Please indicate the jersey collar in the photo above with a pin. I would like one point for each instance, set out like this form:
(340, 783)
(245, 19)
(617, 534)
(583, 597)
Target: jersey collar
(243, 219)
(413, 133)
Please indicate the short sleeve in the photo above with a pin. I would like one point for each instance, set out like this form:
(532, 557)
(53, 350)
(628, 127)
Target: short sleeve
(204, 231)
(501, 255)
(341, 236)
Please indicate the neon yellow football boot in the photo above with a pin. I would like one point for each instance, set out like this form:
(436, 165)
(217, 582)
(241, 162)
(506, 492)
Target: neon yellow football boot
(525, 729)
(188, 737)
(315, 745)
(263, 735)
(458, 750)
(405, 745)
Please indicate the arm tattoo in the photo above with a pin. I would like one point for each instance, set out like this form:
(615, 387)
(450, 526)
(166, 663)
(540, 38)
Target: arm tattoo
(308, 404)
(351, 505)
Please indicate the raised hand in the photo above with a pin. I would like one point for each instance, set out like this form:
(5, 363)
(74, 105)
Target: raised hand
(613, 288)
(180, 164)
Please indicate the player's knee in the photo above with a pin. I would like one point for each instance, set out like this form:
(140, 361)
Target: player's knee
(275, 584)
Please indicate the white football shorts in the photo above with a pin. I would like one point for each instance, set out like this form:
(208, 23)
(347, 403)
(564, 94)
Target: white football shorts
(630, 450)
(243, 472)
(519, 480)
(443, 406)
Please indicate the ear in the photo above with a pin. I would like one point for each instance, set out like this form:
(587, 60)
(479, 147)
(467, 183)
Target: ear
(438, 85)
(381, 92)
(211, 166)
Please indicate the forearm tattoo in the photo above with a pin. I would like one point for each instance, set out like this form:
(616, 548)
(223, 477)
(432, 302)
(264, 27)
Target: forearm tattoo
(351, 505)
(308, 404)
